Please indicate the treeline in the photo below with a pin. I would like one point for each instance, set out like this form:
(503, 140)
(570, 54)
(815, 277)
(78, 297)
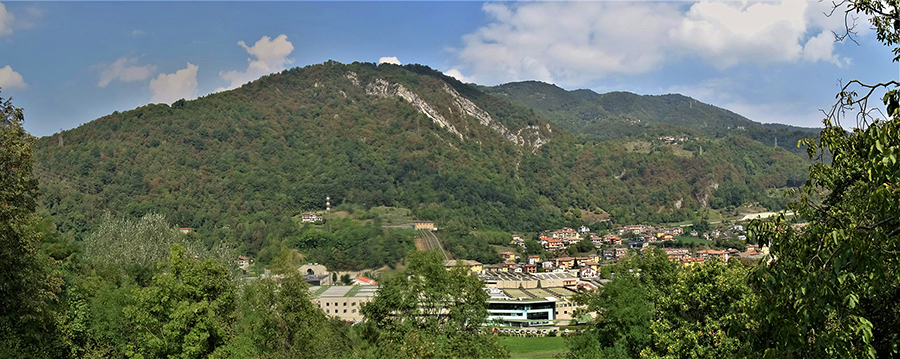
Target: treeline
(143, 289)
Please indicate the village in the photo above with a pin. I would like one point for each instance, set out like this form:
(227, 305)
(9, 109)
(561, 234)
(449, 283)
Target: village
(532, 291)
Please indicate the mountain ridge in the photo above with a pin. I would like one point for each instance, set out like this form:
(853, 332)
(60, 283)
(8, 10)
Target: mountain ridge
(238, 165)
(620, 113)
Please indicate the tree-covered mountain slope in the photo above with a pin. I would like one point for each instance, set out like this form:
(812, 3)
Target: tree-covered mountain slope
(616, 114)
(237, 165)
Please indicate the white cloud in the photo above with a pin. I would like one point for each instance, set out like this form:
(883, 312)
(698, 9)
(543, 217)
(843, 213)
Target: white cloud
(569, 43)
(266, 56)
(137, 32)
(125, 70)
(730, 33)
(821, 48)
(6, 20)
(10, 79)
(389, 60)
(168, 88)
(454, 73)
(575, 43)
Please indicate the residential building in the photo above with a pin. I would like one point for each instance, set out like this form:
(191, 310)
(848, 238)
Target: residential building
(530, 268)
(310, 217)
(427, 225)
(363, 280)
(508, 256)
(587, 272)
(242, 262)
(551, 243)
(473, 266)
(566, 234)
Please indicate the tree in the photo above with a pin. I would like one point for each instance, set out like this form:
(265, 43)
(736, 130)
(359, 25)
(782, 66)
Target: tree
(583, 246)
(187, 311)
(26, 324)
(704, 315)
(429, 312)
(278, 320)
(626, 307)
(831, 288)
(533, 248)
(622, 328)
(136, 247)
(701, 225)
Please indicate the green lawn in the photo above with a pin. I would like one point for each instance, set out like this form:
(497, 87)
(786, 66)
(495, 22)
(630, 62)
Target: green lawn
(689, 239)
(520, 347)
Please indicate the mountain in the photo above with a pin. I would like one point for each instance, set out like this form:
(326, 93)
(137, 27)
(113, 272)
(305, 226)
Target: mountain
(238, 165)
(617, 114)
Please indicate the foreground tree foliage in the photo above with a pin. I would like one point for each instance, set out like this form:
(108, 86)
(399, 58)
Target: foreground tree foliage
(278, 320)
(186, 312)
(836, 281)
(833, 286)
(27, 325)
(429, 312)
(704, 314)
(655, 308)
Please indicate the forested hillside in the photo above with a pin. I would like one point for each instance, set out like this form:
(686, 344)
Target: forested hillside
(237, 165)
(616, 114)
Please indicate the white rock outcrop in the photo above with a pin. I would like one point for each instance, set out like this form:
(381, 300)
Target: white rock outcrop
(353, 78)
(384, 89)
(469, 108)
(526, 137)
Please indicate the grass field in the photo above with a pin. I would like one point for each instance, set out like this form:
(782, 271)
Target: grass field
(688, 239)
(535, 348)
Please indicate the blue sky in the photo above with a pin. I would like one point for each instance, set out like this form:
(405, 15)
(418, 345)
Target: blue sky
(68, 63)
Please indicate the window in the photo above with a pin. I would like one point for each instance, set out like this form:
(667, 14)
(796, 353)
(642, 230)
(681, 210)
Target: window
(327, 304)
(345, 310)
(354, 311)
(353, 304)
(345, 304)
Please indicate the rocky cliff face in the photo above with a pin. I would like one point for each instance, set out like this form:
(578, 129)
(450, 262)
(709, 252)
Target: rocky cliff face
(384, 89)
(469, 108)
(528, 137)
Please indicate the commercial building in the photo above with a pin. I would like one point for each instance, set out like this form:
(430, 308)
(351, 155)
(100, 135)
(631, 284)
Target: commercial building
(343, 301)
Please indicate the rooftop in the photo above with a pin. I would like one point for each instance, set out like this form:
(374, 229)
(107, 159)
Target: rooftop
(343, 291)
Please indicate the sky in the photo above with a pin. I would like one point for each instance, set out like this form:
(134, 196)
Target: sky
(67, 63)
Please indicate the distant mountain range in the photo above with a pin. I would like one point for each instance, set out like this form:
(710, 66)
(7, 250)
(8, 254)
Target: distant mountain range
(616, 114)
(528, 156)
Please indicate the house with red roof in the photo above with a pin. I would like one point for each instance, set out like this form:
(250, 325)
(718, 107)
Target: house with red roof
(363, 280)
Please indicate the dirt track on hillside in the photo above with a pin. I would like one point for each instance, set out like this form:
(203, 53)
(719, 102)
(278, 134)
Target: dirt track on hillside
(420, 244)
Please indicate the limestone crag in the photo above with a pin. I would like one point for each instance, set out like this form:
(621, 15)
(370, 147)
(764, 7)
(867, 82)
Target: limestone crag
(535, 136)
(353, 78)
(383, 88)
(469, 108)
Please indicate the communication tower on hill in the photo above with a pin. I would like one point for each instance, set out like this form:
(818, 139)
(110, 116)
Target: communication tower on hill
(328, 204)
